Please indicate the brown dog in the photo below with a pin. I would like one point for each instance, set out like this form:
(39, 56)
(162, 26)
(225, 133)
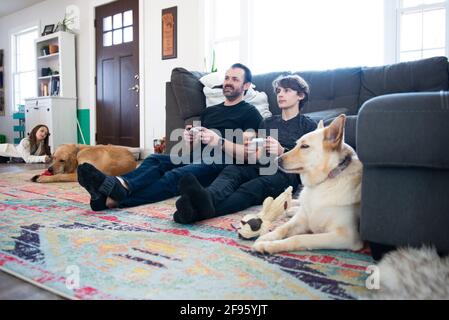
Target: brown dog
(111, 160)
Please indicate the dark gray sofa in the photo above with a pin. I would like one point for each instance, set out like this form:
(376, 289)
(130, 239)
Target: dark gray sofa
(391, 159)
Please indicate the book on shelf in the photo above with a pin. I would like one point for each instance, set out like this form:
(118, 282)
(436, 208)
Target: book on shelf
(55, 83)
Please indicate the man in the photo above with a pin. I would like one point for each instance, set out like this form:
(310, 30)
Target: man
(239, 187)
(157, 178)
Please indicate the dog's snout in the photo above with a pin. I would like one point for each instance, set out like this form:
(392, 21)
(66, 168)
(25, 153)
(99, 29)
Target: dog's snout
(50, 169)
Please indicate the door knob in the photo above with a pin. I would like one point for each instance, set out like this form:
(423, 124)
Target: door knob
(135, 88)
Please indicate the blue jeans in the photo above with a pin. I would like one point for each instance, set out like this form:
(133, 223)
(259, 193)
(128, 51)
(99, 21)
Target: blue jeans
(157, 178)
(240, 187)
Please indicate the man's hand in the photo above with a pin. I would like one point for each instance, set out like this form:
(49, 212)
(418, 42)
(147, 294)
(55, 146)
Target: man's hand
(273, 146)
(209, 137)
(189, 135)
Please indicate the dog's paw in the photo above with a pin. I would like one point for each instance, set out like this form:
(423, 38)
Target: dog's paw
(35, 178)
(266, 247)
(41, 179)
(271, 236)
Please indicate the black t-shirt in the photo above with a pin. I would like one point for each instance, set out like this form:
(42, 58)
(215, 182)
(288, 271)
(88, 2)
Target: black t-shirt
(240, 116)
(288, 131)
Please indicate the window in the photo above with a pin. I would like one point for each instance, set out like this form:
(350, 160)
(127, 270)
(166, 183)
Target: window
(298, 34)
(118, 29)
(226, 32)
(422, 29)
(23, 66)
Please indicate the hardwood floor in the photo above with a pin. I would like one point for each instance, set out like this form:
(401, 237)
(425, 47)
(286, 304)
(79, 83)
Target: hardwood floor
(12, 288)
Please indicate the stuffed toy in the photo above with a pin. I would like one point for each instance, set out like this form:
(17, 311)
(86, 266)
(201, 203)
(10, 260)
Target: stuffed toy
(254, 225)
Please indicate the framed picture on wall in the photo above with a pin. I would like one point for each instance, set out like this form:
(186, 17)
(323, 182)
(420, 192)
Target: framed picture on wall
(169, 33)
(2, 85)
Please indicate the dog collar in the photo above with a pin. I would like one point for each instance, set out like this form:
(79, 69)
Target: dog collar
(342, 166)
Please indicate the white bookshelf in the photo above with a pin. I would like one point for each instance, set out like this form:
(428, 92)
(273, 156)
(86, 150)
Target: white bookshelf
(62, 62)
(55, 107)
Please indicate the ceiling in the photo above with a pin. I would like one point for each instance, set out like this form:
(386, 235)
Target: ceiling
(7, 6)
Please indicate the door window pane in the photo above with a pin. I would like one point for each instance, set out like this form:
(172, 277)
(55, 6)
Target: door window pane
(118, 36)
(107, 39)
(107, 23)
(128, 34)
(128, 18)
(118, 21)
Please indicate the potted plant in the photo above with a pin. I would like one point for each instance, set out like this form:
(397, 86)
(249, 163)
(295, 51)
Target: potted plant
(64, 25)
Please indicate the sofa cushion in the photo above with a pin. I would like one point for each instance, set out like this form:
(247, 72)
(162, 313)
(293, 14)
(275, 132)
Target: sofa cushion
(188, 92)
(416, 76)
(333, 89)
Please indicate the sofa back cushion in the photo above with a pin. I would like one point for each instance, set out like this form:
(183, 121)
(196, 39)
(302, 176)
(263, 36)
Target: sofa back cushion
(331, 89)
(188, 92)
(416, 76)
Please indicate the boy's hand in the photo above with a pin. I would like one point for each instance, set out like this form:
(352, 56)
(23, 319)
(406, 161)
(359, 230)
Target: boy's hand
(273, 146)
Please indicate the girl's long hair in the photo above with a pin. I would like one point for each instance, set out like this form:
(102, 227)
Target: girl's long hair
(34, 144)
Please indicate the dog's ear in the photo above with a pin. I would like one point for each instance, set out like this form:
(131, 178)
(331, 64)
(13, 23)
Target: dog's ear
(320, 125)
(334, 134)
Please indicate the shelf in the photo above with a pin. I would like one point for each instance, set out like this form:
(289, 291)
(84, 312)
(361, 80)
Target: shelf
(40, 97)
(48, 56)
(48, 77)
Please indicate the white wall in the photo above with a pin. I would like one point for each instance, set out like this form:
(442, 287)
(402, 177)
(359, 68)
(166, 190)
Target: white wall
(158, 71)
(155, 70)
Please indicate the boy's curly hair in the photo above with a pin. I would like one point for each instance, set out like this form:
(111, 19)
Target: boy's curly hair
(295, 83)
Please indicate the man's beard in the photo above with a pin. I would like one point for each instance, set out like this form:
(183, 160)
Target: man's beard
(233, 94)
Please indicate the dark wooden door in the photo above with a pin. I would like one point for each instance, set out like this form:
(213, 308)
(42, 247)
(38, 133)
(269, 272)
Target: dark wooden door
(117, 55)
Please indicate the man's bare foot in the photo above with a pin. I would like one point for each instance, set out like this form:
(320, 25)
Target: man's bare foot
(111, 203)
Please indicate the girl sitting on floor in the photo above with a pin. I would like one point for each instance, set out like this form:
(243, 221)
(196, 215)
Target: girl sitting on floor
(33, 149)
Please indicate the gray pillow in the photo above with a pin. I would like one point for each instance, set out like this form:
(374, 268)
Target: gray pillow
(188, 92)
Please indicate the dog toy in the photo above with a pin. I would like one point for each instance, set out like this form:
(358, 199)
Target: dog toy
(254, 225)
(47, 173)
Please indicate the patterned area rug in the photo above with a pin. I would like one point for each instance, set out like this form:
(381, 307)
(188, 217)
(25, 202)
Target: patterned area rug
(49, 236)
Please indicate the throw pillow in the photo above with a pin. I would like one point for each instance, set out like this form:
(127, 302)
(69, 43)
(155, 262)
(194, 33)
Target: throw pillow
(187, 91)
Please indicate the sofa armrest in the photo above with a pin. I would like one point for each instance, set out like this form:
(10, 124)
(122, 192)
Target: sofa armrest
(173, 119)
(405, 130)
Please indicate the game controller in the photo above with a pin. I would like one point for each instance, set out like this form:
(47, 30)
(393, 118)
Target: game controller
(257, 143)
